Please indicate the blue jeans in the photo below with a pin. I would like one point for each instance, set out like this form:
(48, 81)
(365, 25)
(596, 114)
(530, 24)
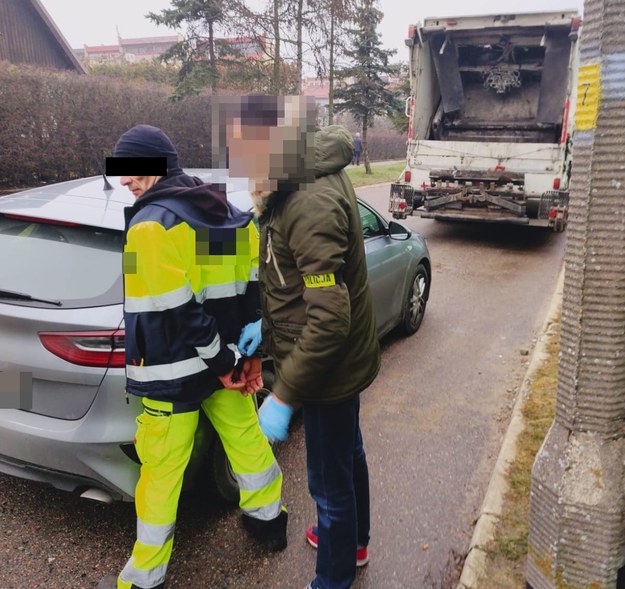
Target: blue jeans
(338, 480)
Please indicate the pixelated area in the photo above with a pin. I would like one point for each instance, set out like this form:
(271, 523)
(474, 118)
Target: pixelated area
(136, 166)
(269, 140)
(221, 246)
(129, 262)
(16, 390)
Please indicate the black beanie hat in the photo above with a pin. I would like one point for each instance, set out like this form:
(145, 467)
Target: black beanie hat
(146, 141)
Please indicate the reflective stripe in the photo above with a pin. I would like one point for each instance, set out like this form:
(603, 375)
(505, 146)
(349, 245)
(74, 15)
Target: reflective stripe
(265, 513)
(152, 535)
(211, 350)
(221, 291)
(169, 300)
(147, 578)
(259, 480)
(166, 371)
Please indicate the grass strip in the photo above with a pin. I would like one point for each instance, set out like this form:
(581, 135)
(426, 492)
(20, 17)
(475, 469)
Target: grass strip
(507, 553)
(379, 174)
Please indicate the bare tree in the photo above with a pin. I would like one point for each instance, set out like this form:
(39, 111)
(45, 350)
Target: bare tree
(328, 34)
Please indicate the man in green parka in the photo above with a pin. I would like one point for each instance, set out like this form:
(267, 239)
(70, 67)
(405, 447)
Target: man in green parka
(318, 322)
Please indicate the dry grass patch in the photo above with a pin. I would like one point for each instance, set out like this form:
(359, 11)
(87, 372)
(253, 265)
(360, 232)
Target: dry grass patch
(507, 553)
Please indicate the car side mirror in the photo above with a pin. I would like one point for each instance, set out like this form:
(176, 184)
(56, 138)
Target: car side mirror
(398, 232)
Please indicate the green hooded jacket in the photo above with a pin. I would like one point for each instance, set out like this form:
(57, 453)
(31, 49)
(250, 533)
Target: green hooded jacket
(318, 322)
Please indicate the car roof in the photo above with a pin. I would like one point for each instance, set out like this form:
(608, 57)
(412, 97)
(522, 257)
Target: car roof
(85, 201)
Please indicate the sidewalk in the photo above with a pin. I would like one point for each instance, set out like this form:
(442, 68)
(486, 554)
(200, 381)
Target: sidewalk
(491, 510)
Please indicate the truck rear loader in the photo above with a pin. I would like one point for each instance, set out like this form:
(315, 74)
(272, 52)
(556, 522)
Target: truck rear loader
(490, 119)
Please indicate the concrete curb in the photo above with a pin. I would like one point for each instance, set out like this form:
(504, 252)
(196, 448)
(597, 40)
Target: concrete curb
(475, 563)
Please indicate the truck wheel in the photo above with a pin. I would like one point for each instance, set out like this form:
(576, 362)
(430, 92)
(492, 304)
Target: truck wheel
(416, 300)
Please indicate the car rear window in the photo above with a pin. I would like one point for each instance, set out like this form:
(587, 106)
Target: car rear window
(77, 265)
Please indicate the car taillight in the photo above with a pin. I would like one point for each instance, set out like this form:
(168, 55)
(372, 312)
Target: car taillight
(556, 183)
(87, 348)
(407, 176)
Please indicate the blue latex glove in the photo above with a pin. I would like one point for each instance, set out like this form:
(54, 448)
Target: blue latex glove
(250, 338)
(274, 417)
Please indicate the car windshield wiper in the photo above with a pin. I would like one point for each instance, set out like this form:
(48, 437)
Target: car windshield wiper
(22, 296)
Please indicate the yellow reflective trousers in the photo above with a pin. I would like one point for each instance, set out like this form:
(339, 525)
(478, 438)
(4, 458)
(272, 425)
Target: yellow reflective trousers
(164, 442)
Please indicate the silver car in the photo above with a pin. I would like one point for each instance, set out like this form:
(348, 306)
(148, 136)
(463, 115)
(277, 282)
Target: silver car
(64, 416)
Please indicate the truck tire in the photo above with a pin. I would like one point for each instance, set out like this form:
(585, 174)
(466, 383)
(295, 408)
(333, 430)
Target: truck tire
(415, 301)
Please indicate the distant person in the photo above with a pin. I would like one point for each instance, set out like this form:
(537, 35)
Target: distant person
(357, 149)
(190, 285)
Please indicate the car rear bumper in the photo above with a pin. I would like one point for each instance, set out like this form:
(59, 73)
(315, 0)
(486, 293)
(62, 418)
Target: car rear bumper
(64, 480)
(74, 455)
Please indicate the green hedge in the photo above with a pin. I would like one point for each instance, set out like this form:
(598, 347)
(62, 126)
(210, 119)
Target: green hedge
(57, 126)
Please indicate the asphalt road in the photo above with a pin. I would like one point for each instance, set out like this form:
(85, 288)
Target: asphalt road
(432, 424)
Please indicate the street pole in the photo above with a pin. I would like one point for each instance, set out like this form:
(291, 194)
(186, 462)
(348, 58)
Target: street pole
(577, 503)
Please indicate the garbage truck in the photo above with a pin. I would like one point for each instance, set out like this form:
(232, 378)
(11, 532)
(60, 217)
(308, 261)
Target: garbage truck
(491, 110)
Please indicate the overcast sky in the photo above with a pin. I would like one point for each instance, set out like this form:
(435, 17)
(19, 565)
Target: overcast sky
(95, 22)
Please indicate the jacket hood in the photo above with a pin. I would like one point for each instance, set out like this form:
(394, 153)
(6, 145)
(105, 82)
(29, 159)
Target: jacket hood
(331, 151)
(334, 149)
(193, 201)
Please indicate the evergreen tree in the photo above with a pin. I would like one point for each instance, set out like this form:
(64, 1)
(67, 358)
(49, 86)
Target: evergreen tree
(399, 119)
(197, 52)
(364, 91)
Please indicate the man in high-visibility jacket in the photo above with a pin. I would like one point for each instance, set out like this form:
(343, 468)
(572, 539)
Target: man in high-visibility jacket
(190, 285)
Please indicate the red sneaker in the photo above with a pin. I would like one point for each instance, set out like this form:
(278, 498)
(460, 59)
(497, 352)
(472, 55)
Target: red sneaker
(362, 553)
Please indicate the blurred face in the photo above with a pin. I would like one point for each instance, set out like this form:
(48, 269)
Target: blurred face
(250, 148)
(139, 184)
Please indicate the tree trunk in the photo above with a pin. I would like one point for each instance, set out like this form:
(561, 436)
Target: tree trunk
(331, 69)
(300, 52)
(365, 147)
(275, 81)
(211, 57)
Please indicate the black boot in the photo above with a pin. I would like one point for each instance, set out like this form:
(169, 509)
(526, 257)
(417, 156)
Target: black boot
(271, 534)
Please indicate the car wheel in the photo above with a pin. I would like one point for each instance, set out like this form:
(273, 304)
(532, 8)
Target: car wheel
(416, 299)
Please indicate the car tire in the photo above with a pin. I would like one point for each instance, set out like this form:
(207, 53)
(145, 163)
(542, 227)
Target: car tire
(415, 301)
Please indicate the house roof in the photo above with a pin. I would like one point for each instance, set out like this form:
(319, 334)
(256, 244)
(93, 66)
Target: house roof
(58, 36)
(149, 40)
(103, 49)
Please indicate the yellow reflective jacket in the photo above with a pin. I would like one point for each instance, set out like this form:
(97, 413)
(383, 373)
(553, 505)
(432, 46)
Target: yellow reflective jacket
(190, 285)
